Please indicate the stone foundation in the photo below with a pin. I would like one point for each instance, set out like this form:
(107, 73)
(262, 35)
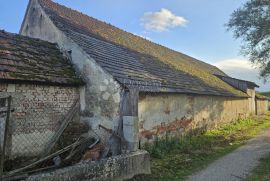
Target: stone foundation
(116, 168)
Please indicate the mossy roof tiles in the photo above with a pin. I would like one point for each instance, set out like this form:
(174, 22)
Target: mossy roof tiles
(26, 59)
(136, 62)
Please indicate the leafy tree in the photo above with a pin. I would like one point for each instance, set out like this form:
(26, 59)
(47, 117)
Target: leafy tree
(251, 23)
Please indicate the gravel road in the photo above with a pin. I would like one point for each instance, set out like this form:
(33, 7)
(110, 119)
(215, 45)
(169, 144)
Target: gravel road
(236, 165)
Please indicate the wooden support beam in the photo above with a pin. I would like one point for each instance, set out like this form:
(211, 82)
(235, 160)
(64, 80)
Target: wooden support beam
(130, 122)
(64, 124)
(130, 103)
(3, 151)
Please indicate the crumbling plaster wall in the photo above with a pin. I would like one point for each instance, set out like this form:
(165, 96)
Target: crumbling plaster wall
(38, 111)
(262, 106)
(252, 104)
(176, 114)
(101, 96)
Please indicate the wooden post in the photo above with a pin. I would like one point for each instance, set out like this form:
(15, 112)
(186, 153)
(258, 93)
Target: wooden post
(130, 119)
(130, 103)
(64, 124)
(3, 151)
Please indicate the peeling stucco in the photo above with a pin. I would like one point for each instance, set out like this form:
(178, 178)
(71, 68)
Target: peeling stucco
(177, 114)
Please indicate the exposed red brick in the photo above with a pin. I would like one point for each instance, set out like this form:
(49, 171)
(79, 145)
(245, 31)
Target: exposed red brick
(93, 154)
(163, 128)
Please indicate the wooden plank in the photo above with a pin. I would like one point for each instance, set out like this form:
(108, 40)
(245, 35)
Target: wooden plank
(3, 151)
(130, 109)
(65, 122)
(130, 103)
(82, 141)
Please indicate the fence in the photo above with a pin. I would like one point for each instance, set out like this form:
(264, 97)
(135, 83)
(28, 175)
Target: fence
(38, 141)
(5, 104)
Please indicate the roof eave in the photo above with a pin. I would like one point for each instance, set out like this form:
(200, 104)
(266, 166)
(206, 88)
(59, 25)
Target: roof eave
(176, 91)
(16, 81)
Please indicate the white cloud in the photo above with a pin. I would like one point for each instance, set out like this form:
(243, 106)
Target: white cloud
(162, 20)
(232, 64)
(242, 69)
(142, 36)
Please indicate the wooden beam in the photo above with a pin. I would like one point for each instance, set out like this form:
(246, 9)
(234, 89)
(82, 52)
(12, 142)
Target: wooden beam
(6, 132)
(130, 103)
(64, 124)
(130, 119)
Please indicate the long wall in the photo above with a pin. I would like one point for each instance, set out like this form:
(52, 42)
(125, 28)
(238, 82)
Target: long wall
(175, 114)
(38, 110)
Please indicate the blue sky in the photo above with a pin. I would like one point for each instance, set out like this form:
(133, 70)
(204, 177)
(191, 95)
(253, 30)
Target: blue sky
(194, 27)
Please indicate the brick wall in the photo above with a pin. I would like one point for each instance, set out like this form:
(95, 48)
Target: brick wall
(37, 116)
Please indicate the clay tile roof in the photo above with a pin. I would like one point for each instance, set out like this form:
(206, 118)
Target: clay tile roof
(136, 62)
(24, 59)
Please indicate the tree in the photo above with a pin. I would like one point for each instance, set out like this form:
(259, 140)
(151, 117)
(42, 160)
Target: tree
(251, 23)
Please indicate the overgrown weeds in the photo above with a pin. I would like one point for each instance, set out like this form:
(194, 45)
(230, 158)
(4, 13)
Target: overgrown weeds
(176, 158)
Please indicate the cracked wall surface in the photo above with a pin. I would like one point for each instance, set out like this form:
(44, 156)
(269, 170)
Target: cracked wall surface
(177, 114)
(262, 106)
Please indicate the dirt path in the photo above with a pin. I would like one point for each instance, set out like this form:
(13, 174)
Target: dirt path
(236, 165)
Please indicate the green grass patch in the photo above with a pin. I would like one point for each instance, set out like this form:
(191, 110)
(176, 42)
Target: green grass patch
(261, 172)
(174, 159)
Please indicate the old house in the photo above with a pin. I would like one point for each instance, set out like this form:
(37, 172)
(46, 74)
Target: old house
(65, 63)
(129, 78)
(43, 86)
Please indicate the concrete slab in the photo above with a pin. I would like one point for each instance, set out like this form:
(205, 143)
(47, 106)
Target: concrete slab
(116, 168)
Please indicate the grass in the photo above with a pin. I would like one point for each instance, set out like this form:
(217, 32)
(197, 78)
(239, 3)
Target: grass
(261, 172)
(174, 159)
